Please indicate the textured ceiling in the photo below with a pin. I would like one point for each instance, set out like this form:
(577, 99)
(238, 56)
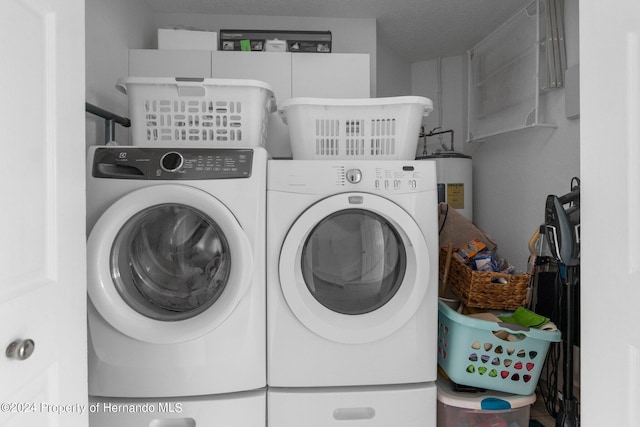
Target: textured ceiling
(417, 30)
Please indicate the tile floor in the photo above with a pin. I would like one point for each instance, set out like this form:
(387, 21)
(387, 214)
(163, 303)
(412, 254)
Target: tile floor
(539, 413)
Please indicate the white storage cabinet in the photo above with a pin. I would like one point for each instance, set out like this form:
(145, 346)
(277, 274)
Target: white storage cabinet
(169, 63)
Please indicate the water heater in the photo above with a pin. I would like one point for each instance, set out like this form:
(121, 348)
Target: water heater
(455, 181)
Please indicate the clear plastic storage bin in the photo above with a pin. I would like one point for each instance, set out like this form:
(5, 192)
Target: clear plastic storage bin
(198, 112)
(368, 128)
(472, 352)
(482, 409)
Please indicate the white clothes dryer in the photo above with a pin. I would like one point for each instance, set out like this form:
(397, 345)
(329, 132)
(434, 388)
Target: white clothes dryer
(243, 409)
(352, 251)
(176, 271)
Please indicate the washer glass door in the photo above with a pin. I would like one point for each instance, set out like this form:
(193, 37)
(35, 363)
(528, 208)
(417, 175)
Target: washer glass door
(170, 262)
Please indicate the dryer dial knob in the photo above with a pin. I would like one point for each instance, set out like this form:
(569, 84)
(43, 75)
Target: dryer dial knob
(171, 161)
(354, 176)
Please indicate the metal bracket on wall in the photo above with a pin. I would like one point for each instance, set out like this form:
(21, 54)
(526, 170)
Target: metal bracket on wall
(110, 121)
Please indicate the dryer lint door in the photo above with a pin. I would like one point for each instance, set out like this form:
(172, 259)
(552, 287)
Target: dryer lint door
(354, 268)
(167, 264)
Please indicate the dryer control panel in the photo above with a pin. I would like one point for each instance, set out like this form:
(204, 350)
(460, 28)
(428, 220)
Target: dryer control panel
(327, 176)
(171, 164)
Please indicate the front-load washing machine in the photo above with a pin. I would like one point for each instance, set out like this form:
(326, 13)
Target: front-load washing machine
(176, 271)
(352, 251)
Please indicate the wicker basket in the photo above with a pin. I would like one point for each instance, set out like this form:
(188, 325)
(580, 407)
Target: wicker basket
(480, 289)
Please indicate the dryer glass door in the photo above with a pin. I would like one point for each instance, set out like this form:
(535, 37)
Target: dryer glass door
(170, 262)
(353, 261)
(354, 267)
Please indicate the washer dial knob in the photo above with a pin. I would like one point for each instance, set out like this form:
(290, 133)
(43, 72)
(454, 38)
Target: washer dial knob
(171, 161)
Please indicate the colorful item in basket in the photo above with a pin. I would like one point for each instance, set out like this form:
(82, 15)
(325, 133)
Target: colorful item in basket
(522, 316)
(484, 262)
(471, 249)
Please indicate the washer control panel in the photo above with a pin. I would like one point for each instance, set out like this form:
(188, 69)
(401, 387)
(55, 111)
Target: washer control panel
(171, 164)
(172, 161)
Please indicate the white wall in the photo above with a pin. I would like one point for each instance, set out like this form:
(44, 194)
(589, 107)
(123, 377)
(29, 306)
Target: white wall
(112, 28)
(512, 177)
(448, 103)
(348, 35)
(393, 73)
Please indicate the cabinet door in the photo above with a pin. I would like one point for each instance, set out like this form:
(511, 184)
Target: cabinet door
(335, 75)
(169, 63)
(273, 68)
(43, 335)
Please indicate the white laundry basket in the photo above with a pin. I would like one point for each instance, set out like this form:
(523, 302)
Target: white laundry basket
(198, 112)
(368, 128)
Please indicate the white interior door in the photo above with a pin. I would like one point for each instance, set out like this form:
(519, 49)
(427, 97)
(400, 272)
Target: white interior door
(610, 212)
(42, 256)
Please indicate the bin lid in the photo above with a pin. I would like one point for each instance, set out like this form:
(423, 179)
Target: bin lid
(487, 400)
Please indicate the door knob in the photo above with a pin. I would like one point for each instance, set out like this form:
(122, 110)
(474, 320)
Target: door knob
(20, 349)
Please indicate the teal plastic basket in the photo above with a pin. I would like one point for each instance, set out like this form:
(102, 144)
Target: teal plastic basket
(491, 355)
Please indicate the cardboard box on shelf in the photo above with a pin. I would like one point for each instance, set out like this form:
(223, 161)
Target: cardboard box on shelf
(255, 40)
